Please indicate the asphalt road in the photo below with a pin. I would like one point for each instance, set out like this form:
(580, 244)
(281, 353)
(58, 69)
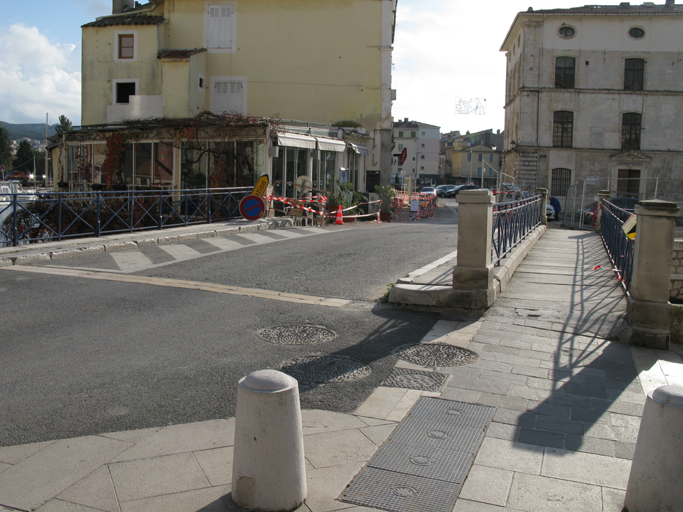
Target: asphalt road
(82, 356)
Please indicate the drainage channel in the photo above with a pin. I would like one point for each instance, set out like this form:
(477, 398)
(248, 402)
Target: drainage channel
(425, 462)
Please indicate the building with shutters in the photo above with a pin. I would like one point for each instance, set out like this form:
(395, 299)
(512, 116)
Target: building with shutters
(313, 68)
(592, 94)
(421, 144)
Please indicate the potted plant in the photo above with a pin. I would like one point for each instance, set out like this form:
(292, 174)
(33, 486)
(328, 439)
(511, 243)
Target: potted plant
(386, 195)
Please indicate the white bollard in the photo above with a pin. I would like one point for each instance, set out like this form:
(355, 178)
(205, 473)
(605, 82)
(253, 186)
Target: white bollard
(268, 472)
(655, 480)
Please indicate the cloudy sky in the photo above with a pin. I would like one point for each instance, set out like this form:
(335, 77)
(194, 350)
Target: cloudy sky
(445, 51)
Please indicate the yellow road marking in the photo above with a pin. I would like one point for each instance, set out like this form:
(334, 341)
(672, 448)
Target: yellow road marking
(189, 285)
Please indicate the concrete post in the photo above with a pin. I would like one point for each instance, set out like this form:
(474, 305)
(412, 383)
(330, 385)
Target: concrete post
(269, 472)
(654, 484)
(473, 275)
(603, 195)
(648, 310)
(544, 201)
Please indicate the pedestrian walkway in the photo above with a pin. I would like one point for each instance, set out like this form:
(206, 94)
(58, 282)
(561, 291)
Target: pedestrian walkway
(567, 397)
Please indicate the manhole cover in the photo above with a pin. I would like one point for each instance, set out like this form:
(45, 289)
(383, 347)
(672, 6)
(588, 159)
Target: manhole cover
(296, 334)
(436, 354)
(415, 379)
(319, 368)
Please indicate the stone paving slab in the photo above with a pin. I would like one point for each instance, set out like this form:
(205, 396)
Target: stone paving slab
(568, 401)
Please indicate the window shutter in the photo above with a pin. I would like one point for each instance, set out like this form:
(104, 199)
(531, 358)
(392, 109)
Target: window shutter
(225, 34)
(221, 97)
(214, 28)
(235, 97)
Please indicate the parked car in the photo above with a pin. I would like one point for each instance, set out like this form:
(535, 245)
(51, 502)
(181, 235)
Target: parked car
(442, 189)
(460, 188)
(428, 190)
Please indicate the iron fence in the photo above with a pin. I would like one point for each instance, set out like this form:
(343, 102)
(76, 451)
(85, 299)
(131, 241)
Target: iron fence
(619, 246)
(31, 218)
(512, 222)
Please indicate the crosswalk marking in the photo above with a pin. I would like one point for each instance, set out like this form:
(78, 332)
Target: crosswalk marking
(131, 261)
(259, 239)
(223, 244)
(181, 252)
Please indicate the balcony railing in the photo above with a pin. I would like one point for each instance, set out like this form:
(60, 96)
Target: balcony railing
(54, 216)
(618, 245)
(512, 222)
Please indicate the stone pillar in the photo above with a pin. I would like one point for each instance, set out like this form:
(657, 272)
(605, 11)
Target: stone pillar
(654, 484)
(648, 310)
(603, 195)
(544, 201)
(473, 275)
(268, 471)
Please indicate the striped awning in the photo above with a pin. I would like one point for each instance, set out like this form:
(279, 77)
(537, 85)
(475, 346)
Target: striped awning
(295, 140)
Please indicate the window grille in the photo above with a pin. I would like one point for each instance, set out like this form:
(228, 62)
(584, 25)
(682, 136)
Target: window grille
(630, 131)
(560, 181)
(563, 126)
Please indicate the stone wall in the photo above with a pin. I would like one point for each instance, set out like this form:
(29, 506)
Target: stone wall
(676, 292)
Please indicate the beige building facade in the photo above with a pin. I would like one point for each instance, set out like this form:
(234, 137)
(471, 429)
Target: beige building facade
(421, 144)
(326, 63)
(592, 93)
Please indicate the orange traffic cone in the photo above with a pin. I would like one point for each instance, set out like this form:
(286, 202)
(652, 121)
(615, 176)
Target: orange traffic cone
(339, 220)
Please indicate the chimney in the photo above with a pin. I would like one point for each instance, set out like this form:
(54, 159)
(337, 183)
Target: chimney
(120, 6)
(670, 3)
(405, 120)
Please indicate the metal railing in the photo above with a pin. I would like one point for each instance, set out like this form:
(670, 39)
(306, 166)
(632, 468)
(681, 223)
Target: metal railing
(619, 246)
(512, 222)
(31, 218)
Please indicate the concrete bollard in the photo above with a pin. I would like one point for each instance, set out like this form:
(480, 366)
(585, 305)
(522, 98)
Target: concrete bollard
(268, 472)
(655, 480)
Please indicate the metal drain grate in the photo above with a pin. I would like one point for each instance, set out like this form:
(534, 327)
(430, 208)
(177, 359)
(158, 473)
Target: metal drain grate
(436, 355)
(445, 465)
(435, 434)
(399, 492)
(425, 461)
(296, 334)
(455, 414)
(319, 368)
(415, 379)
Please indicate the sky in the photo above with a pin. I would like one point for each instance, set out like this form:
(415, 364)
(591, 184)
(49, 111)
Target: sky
(445, 51)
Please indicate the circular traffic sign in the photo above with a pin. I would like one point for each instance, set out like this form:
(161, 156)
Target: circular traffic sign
(252, 207)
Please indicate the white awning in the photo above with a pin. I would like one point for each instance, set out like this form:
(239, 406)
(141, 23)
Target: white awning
(359, 148)
(331, 144)
(295, 140)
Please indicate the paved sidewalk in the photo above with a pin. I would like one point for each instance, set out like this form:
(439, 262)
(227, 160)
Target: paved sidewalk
(568, 405)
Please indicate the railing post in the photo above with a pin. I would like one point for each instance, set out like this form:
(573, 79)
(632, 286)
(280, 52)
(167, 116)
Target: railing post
(97, 222)
(603, 195)
(208, 204)
(161, 208)
(130, 208)
(648, 310)
(544, 200)
(59, 217)
(473, 275)
(15, 234)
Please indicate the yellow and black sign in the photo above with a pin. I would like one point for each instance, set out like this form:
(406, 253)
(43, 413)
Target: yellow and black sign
(261, 186)
(629, 226)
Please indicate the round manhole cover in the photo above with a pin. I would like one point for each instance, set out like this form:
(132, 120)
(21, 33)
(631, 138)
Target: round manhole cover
(321, 369)
(437, 434)
(404, 492)
(296, 334)
(436, 355)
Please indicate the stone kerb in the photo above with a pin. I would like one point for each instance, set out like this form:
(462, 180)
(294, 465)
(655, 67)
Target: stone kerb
(473, 275)
(649, 310)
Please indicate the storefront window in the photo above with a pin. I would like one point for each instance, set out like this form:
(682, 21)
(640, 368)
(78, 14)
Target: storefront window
(163, 165)
(193, 170)
(143, 164)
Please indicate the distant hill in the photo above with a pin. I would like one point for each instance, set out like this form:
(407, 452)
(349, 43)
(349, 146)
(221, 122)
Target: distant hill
(32, 131)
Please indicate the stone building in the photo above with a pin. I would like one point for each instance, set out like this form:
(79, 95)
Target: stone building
(593, 93)
(419, 144)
